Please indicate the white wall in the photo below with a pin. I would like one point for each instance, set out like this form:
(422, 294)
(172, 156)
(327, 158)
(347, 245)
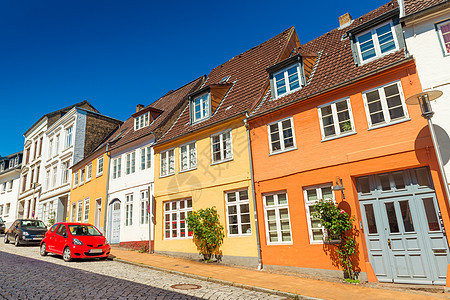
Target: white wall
(132, 183)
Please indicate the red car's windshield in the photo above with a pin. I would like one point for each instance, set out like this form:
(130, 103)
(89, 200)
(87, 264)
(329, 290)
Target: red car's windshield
(87, 230)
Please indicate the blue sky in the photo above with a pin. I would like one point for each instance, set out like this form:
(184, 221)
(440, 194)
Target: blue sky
(116, 54)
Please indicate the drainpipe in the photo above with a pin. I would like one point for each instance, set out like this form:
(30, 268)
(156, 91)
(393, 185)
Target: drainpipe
(258, 243)
(106, 192)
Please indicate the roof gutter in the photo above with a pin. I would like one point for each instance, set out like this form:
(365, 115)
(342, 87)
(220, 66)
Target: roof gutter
(331, 88)
(255, 213)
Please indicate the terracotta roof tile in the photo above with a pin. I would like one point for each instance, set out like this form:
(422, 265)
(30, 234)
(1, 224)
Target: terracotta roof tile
(414, 6)
(167, 103)
(248, 74)
(335, 63)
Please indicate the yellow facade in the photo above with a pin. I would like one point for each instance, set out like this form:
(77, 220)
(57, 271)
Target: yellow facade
(206, 186)
(93, 190)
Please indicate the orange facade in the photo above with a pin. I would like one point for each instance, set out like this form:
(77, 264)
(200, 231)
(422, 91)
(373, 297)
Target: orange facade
(399, 146)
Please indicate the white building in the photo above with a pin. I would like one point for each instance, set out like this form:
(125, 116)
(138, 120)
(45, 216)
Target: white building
(68, 140)
(32, 167)
(9, 186)
(130, 190)
(427, 34)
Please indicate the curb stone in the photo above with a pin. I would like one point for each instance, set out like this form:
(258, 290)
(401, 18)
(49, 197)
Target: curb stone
(220, 281)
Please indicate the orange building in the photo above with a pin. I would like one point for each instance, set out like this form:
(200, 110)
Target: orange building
(337, 111)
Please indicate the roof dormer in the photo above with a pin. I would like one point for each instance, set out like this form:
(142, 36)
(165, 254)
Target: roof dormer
(376, 38)
(205, 101)
(291, 74)
(144, 116)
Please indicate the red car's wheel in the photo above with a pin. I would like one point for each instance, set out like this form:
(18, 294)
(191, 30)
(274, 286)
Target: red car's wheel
(43, 250)
(67, 255)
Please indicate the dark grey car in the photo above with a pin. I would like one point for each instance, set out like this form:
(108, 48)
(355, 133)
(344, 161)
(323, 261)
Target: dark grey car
(2, 226)
(25, 231)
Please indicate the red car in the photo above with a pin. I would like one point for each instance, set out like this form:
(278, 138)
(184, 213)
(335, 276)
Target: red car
(75, 240)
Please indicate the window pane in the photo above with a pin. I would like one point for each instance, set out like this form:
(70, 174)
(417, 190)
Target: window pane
(232, 209)
(317, 234)
(245, 218)
(284, 214)
(371, 223)
(327, 193)
(430, 211)
(311, 195)
(422, 177)
(282, 199)
(245, 208)
(234, 229)
(406, 216)
(243, 195)
(328, 131)
(384, 181)
(246, 228)
(286, 236)
(392, 217)
(231, 197)
(273, 237)
(399, 181)
(270, 200)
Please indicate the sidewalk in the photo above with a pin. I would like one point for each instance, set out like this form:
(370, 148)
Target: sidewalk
(264, 281)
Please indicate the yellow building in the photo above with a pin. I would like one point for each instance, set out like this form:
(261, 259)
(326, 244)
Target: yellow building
(89, 189)
(203, 159)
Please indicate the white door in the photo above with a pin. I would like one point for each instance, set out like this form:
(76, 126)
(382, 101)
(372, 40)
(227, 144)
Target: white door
(115, 223)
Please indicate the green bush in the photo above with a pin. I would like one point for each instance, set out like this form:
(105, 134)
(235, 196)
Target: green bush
(338, 225)
(207, 230)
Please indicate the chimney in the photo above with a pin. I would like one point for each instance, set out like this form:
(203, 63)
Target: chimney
(139, 107)
(345, 20)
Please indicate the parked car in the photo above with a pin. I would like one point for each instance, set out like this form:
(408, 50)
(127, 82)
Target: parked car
(75, 240)
(2, 226)
(25, 231)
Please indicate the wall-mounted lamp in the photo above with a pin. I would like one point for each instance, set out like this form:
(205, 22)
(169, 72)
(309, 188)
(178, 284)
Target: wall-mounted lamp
(339, 186)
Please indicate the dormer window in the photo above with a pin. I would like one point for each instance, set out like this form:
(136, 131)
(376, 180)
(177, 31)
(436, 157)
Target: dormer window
(141, 121)
(376, 42)
(201, 107)
(287, 80)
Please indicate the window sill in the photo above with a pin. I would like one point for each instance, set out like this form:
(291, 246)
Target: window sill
(222, 161)
(239, 235)
(88, 180)
(180, 238)
(280, 244)
(184, 171)
(338, 137)
(283, 151)
(98, 175)
(163, 176)
(389, 124)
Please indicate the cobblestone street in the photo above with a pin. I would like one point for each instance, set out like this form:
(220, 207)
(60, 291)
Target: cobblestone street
(27, 275)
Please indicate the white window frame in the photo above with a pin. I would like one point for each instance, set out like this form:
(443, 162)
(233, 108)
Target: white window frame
(166, 162)
(65, 165)
(82, 175)
(146, 158)
(100, 172)
(277, 208)
(73, 216)
(188, 149)
(88, 172)
(441, 36)
(117, 167)
(57, 138)
(222, 158)
(54, 176)
(387, 118)
(79, 211)
(86, 210)
(337, 128)
(144, 202)
(286, 80)
(308, 204)
(50, 149)
(204, 114)
(141, 121)
(238, 203)
(75, 179)
(129, 209)
(376, 43)
(177, 210)
(69, 140)
(280, 133)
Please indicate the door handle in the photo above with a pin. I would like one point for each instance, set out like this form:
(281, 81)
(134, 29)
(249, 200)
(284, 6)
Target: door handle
(389, 243)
